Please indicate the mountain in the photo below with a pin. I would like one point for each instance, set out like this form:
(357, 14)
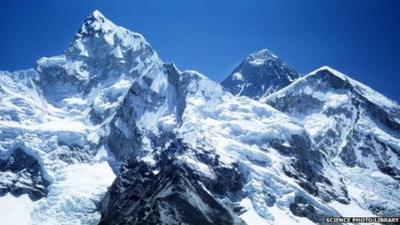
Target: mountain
(356, 127)
(58, 116)
(260, 74)
(108, 133)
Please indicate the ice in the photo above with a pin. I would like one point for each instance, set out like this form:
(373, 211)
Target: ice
(73, 199)
(48, 112)
(64, 112)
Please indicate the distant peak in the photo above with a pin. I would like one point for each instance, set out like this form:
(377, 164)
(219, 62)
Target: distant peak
(329, 70)
(261, 57)
(260, 74)
(99, 36)
(264, 53)
(97, 15)
(326, 68)
(96, 21)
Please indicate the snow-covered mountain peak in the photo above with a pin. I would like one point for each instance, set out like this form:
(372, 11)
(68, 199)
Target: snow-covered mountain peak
(59, 112)
(259, 75)
(188, 151)
(96, 21)
(98, 37)
(357, 128)
(329, 70)
(341, 80)
(101, 55)
(261, 57)
(97, 14)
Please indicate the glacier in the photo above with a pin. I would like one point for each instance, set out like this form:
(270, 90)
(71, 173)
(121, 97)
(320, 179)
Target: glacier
(108, 133)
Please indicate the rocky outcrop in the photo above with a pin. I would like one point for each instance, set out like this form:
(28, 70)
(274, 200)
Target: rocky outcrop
(21, 174)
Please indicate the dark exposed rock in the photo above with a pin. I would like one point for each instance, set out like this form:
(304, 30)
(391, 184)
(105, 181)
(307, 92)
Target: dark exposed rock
(305, 166)
(347, 136)
(167, 193)
(162, 179)
(71, 153)
(24, 176)
(260, 74)
(348, 156)
(303, 208)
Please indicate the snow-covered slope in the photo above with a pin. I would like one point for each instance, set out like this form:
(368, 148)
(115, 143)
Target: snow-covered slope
(181, 147)
(356, 127)
(57, 114)
(253, 160)
(260, 74)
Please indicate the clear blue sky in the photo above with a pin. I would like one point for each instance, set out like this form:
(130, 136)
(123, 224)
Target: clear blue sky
(358, 37)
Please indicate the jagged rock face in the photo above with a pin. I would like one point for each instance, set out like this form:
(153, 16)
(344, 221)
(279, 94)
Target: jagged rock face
(189, 151)
(165, 193)
(356, 127)
(145, 118)
(97, 69)
(21, 173)
(259, 75)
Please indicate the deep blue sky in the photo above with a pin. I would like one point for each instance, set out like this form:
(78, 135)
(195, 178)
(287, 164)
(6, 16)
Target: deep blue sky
(358, 37)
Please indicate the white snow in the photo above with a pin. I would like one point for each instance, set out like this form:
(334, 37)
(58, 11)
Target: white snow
(47, 110)
(16, 210)
(257, 61)
(350, 210)
(366, 91)
(43, 117)
(117, 52)
(74, 195)
(237, 76)
(283, 216)
(236, 128)
(261, 57)
(250, 216)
